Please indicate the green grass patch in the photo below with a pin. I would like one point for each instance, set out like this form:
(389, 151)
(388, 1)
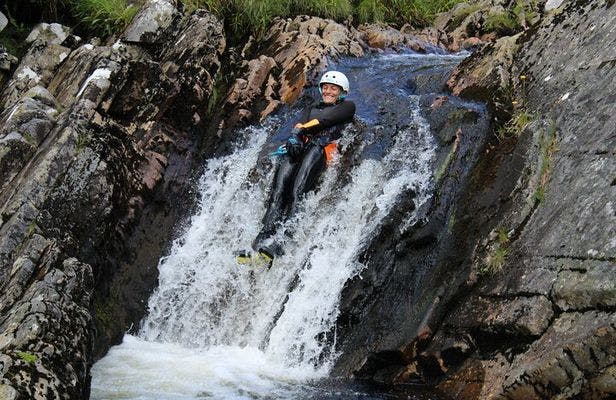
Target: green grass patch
(246, 17)
(516, 125)
(548, 145)
(464, 11)
(103, 17)
(370, 11)
(13, 37)
(504, 23)
(495, 259)
(525, 11)
(27, 356)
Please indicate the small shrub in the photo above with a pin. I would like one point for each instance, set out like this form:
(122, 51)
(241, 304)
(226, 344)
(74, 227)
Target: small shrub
(525, 11)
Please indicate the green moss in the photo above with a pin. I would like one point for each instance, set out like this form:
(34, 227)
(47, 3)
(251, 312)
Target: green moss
(440, 172)
(32, 227)
(82, 141)
(104, 312)
(451, 222)
(27, 356)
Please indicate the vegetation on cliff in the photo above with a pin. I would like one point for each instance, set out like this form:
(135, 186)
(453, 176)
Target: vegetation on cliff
(104, 18)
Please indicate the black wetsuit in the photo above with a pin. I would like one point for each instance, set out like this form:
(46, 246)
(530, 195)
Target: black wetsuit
(295, 177)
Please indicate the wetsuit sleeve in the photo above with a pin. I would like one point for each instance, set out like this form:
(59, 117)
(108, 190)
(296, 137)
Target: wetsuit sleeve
(339, 114)
(305, 115)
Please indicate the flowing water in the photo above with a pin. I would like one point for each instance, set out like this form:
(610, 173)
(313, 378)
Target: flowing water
(216, 330)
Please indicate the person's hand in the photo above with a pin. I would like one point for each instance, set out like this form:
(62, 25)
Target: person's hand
(295, 147)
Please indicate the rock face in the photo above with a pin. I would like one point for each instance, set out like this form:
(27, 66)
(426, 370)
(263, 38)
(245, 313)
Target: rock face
(503, 289)
(96, 150)
(527, 309)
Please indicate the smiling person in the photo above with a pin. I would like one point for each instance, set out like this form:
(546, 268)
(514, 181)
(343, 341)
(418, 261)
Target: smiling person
(309, 148)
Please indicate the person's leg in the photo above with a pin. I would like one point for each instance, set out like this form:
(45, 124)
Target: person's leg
(308, 174)
(279, 200)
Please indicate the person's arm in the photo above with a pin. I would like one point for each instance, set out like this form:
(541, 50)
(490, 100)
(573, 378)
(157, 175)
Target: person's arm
(340, 113)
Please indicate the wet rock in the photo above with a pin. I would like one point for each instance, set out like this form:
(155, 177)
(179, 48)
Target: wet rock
(92, 138)
(593, 288)
(36, 334)
(3, 21)
(257, 82)
(575, 346)
(525, 316)
(383, 36)
(486, 74)
(191, 58)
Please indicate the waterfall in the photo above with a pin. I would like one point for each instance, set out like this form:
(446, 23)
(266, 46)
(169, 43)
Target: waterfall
(220, 330)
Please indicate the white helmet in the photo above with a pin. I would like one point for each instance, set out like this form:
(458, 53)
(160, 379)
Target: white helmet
(336, 78)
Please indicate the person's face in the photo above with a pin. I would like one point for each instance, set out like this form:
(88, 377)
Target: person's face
(330, 92)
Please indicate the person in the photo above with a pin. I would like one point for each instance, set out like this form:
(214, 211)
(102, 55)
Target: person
(311, 144)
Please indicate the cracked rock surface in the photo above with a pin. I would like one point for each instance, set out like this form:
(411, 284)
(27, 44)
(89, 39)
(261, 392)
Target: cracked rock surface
(529, 313)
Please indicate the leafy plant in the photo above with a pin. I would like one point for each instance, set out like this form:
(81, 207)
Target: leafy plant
(12, 38)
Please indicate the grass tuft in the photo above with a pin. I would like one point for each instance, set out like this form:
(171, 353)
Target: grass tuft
(27, 356)
(504, 23)
(370, 11)
(103, 17)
